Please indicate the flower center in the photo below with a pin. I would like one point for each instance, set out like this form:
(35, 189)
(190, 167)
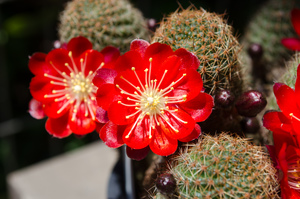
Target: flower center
(151, 101)
(77, 88)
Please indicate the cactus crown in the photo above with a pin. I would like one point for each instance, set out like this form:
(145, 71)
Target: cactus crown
(209, 37)
(103, 22)
(224, 167)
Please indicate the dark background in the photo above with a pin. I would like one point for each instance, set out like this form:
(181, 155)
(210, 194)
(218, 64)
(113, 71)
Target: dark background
(28, 26)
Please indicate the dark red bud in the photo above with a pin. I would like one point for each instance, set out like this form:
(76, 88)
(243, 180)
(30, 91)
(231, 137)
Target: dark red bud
(166, 183)
(250, 103)
(224, 98)
(255, 51)
(250, 125)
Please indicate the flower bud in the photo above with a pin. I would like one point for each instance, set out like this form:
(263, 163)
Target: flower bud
(250, 103)
(166, 183)
(255, 51)
(224, 98)
(250, 125)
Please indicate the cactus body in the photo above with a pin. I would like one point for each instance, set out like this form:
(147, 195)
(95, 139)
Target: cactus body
(103, 22)
(224, 167)
(209, 37)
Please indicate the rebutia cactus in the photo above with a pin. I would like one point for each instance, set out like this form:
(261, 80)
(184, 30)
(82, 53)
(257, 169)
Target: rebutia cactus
(103, 22)
(209, 37)
(267, 27)
(223, 167)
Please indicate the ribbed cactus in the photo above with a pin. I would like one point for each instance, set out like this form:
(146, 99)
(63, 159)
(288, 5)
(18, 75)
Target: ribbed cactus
(103, 22)
(267, 27)
(209, 37)
(223, 167)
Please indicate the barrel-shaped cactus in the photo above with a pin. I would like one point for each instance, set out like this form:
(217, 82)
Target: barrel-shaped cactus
(209, 37)
(223, 167)
(103, 22)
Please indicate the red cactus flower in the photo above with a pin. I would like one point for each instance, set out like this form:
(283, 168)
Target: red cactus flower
(286, 157)
(62, 87)
(293, 43)
(288, 101)
(153, 98)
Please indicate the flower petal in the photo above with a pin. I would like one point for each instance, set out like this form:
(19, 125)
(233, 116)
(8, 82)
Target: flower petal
(58, 58)
(286, 100)
(137, 154)
(38, 66)
(111, 135)
(200, 107)
(297, 86)
(176, 124)
(101, 115)
(161, 144)
(36, 109)
(280, 138)
(295, 18)
(128, 60)
(107, 94)
(110, 54)
(81, 124)
(291, 43)
(78, 45)
(190, 60)
(57, 109)
(140, 46)
(117, 113)
(190, 86)
(58, 127)
(136, 136)
(194, 135)
(274, 120)
(92, 60)
(104, 76)
(40, 87)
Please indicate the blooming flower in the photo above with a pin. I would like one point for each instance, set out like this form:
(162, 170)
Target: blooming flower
(286, 157)
(62, 87)
(152, 97)
(293, 43)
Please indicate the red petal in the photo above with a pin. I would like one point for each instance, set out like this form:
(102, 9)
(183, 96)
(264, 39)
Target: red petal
(291, 43)
(183, 127)
(111, 135)
(36, 109)
(57, 58)
(110, 54)
(189, 59)
(137, 154)
(104, 76)
(161, 144)
(190, 86)
(40, 86)
(194, 135)
(101, 115)
(38, 66)
(107, 94)
(200, 107)
(286, 99)
(276, 120)
(140, 46)
(78, 45)
(136, 136)
(81, 124)
(297, 86)
(280, 138)
(58, 127)
(117, 113)
(128, 81)
(295, 17)
(92, 61)
(51, 108)
(128, 60)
